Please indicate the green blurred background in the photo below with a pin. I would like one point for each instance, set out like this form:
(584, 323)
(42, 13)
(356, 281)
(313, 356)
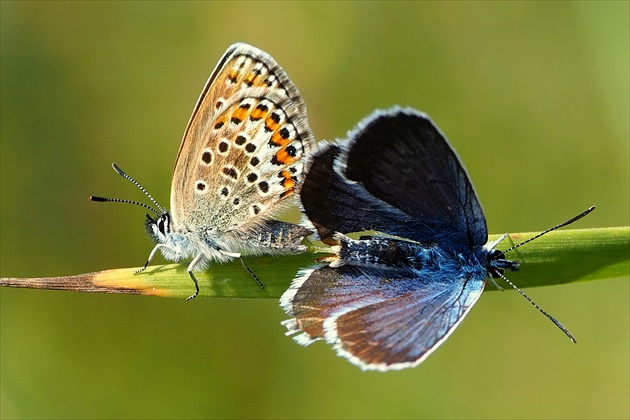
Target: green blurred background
(534, 97)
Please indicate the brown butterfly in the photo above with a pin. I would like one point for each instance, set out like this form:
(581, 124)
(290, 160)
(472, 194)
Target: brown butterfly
(239, 159)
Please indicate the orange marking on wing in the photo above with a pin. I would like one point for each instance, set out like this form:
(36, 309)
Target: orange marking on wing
(255, 77)
(240, 113)
(287, 193)
(219, 123)
(288, 183)
(233, 76)
(278, 140)
(271, 124)
(250, 79)
(284, 158)
(258, 113)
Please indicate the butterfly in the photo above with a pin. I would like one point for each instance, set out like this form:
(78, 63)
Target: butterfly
(388, 300)
(239, 161)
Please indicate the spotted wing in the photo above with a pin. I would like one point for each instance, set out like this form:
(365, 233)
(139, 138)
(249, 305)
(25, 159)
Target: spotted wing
(241, 151)
(374, 319)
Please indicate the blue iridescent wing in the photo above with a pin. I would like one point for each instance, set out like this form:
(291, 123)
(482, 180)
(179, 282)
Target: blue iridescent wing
(401, 159)
(397, 174)
(377, 320)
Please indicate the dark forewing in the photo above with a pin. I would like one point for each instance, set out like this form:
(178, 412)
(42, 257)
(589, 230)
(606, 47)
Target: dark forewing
(402, 158)
(375, 320)
(334, 205)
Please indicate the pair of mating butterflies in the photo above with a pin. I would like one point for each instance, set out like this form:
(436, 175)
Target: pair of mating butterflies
(385, 301)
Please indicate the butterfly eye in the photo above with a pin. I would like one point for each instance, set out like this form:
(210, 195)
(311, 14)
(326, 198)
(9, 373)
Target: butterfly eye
(495, 254)
(164, 224)
(498, 263)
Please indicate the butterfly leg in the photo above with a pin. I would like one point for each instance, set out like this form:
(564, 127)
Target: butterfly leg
(251, 273)
(237, 255)
(191, 267)
(151, 255)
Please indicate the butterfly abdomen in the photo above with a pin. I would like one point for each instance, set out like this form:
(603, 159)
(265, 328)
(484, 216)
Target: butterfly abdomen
(275, 237)
(379, 251)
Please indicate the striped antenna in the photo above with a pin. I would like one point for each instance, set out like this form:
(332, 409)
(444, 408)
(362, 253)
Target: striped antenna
(137, 184)
(568, 222)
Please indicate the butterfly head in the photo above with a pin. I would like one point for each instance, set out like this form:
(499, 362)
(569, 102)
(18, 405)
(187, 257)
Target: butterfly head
(498, 264)
(159, 228)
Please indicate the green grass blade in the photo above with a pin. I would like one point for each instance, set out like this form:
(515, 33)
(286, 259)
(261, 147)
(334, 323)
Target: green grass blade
(563, 256)
(569, 256)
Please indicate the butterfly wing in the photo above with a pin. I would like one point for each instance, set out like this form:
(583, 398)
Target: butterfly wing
(377, 320)
(242, 147)
(401, 159)
(333, 204)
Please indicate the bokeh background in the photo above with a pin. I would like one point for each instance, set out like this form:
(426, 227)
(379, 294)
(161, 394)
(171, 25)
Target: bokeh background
(533, 95)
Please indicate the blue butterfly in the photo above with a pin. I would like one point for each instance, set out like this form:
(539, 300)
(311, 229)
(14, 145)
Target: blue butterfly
(388, 300)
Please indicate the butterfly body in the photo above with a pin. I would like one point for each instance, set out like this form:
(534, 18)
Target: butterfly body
(239, 163)
(272, 237)
(388, 300)
(403, 255)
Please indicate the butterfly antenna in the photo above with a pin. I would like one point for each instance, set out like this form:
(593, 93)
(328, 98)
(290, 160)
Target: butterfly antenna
(551, 318)
(137, 184)
(568, 222)
(120, 200)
